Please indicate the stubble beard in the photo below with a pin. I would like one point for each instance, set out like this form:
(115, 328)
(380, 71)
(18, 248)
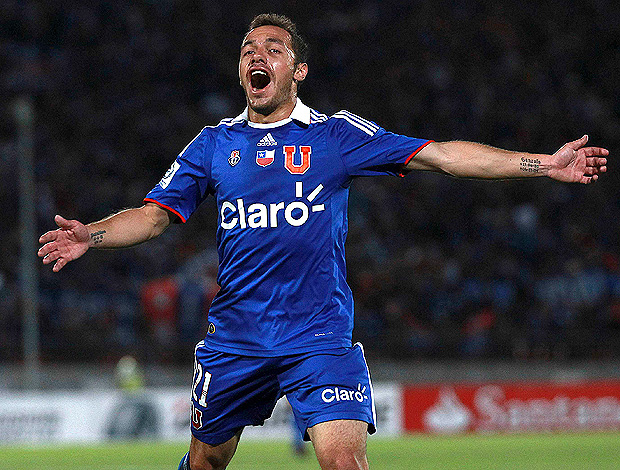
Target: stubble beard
(281, 96)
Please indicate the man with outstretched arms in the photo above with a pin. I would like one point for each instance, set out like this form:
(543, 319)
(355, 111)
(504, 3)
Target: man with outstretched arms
(281, 323)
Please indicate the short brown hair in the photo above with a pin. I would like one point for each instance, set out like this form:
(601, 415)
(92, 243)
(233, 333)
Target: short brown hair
(300, 48)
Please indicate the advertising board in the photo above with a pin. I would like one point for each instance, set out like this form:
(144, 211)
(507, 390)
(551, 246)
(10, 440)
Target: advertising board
(156, 413)
(512, 407)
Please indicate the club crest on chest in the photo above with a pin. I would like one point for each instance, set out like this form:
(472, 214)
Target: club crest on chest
(265, 157)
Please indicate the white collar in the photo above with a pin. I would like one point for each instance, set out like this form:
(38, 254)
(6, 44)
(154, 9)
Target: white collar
(300, 113)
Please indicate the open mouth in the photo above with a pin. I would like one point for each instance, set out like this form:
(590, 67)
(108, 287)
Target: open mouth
(259, 79)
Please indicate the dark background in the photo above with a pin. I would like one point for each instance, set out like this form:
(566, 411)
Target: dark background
(440, 268)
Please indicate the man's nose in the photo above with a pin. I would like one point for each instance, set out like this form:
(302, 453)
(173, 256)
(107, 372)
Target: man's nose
(257, 57)
(260, 53)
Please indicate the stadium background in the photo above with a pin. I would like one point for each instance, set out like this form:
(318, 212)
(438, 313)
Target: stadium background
(454, 280)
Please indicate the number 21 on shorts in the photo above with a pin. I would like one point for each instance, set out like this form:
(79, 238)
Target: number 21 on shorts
(200, 396)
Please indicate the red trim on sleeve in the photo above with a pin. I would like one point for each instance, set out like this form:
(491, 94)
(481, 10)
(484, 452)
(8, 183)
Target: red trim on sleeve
(166, 207)
(413, 155)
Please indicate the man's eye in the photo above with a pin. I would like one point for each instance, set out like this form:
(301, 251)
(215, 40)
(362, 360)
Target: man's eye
(248, 52)
(275, 50)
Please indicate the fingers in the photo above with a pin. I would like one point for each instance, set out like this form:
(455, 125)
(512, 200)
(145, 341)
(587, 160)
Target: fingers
(592, 170)
(50, 254)
(577, 144)
(58, 243)
(595, 151)
(596, 161)
(64, 223)
(53, 256)
(49, 251)
(48, 236)
(59, 265)
(588, 179)
(53, 234)
(596, 165)
(46, 249)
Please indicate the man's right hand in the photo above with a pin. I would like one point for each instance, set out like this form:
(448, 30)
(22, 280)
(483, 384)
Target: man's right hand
(65, 244)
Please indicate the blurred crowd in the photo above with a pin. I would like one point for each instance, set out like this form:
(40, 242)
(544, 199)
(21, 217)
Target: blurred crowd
(439, 267)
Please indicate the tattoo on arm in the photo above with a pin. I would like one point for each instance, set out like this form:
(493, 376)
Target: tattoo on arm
(530, 165)
(97, 237)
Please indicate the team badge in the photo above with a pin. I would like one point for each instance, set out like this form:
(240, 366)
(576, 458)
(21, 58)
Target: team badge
(234, 157)
(297, 167)
(211, 329)
(265, 157)
(196, 416)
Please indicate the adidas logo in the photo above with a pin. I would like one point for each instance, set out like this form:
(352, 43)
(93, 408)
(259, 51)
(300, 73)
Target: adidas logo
(267, 141)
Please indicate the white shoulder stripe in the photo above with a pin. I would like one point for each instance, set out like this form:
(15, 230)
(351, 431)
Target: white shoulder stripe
(361, 120)
(198, 135)
(317, 117)
(353, 123)
(224, 122)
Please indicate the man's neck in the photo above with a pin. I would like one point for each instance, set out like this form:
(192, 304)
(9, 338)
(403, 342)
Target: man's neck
(281, 112)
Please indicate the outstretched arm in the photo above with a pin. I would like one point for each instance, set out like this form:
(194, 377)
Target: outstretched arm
(572, 163)
(126, 228)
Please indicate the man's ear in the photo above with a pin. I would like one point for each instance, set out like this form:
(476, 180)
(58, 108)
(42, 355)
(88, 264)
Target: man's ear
(300, 72)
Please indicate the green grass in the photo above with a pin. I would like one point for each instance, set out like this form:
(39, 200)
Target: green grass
(526, 452)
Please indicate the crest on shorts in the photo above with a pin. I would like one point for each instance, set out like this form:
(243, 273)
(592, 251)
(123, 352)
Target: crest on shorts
(234, 157)
(211, 328)
(196, 416)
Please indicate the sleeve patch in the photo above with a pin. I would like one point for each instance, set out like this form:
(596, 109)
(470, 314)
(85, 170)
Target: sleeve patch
(165, 181)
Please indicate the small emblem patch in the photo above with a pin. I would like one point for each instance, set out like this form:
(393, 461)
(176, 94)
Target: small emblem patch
(196, 415)
(234, 157)
(211, 329)
(265, 157)
(165, 181)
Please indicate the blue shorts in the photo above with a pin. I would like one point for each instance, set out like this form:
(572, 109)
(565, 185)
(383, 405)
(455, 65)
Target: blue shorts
(231, 391)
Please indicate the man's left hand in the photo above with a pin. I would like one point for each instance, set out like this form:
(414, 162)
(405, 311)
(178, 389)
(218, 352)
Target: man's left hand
(574, 163)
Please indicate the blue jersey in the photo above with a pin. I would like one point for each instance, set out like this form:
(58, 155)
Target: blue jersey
(281, 192)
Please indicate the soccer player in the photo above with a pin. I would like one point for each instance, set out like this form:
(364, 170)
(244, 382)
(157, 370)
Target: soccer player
(282, 322)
